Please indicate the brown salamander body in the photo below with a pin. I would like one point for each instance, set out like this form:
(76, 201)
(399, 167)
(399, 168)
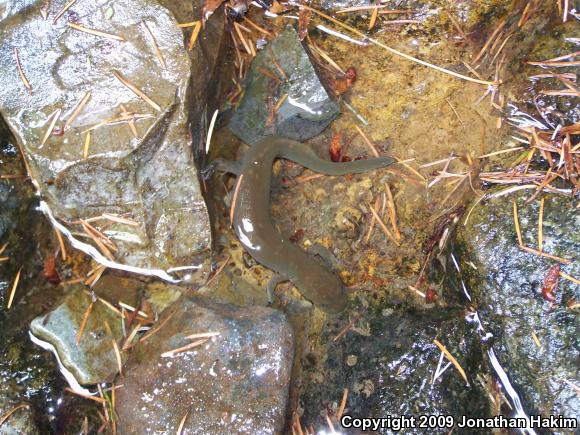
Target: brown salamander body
(257, 232)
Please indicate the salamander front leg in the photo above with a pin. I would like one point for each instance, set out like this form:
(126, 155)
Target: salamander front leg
(326, 256)
(221, 165)
(271, 286)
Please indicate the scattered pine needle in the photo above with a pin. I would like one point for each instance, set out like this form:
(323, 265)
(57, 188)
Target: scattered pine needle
(501, 152)
(153, 41)
(404, 163)
(173, 352)
(452, 359)
(372, 225)
(115, 348)
(49, 130)
(396, 52)
(298, 424)
(372, 147)
(384, 227)
(86, 145)
(3, 248)
(342, 404)
(20, 72)
(86, 396)
(8, 414)
(517, 224)
(544, 254)
(14, 286)
(235, 197)
(541, 226)
(95, 32)
(84, 322)
(536, 340)
(330, 425)
(392, 212)
(63, 10)
(77, 110)
(194, 34)
(182, 423)
(569, 278)
(218, 271)
(136, 90)
(60, 243)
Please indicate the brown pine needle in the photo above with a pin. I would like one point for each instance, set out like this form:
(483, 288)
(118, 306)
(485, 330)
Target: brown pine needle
(495, 153)
(544, 254)
(8, 414)
(77, 110)
(235, 196)
(541, 226)
(241, 36)
(396, 52)
(517, 224)
(136, 90)
(342, 404)
(392, 212)
(173, 352)
(374, 17)
(372, 225)
(454, 111)
(329, 423)
(213, 277)
(95, 32)
(14, 286)
(86, 145)
(298, 424)
(119, 219)
(410, 168)
(452, 359)
(156, 327)
(569, 278)
(84, 322)
(63, 10)
(202, 335)
(115, 348)
(60, 243)
(189, 24)
(372, 146)
(384, 227)
(20, 72)
(153, 41)
(86, 396)
(182, 423)
(258, 28)
(50, 128)
(194, 35)
(3, 248)
(131, 122)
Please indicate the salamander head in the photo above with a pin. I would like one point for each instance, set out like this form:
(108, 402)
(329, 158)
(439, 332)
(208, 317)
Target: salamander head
(325, 290)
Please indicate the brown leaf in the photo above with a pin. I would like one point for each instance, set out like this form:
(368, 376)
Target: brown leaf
(50, 272)
(551, 283)
(335, 149)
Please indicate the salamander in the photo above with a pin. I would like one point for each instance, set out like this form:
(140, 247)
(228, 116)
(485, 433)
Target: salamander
(259, 235)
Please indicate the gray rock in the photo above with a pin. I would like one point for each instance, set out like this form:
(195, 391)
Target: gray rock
(507, 288)
(335, 5)
(93, 360)
(388, 366)
(235, 383)
(152, 177)
(21, 421)
(308, 108)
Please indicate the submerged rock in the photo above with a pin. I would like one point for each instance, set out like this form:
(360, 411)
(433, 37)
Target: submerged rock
(307, 108)
(139, 153)
(236, 382)
(537, 340)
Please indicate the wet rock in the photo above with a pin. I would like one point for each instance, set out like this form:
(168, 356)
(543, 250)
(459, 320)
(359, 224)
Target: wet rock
(93, 359)
(306, 111)
(237, 382)
(388, 363)
(537, 340)
(150, 175)
(19, 422)
(335, 5)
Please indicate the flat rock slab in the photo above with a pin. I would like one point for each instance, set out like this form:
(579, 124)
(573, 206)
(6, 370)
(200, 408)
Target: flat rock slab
(307, 108)
(138, 159)
(236, 382)
(507, 287)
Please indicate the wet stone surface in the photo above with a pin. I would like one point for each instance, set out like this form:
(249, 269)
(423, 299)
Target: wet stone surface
(507, 286)
(150, 175)
(307, 108)
(388, 365)
(237, 382)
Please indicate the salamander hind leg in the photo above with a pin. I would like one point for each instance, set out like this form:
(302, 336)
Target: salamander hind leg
(327, 257)
(271, 286)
